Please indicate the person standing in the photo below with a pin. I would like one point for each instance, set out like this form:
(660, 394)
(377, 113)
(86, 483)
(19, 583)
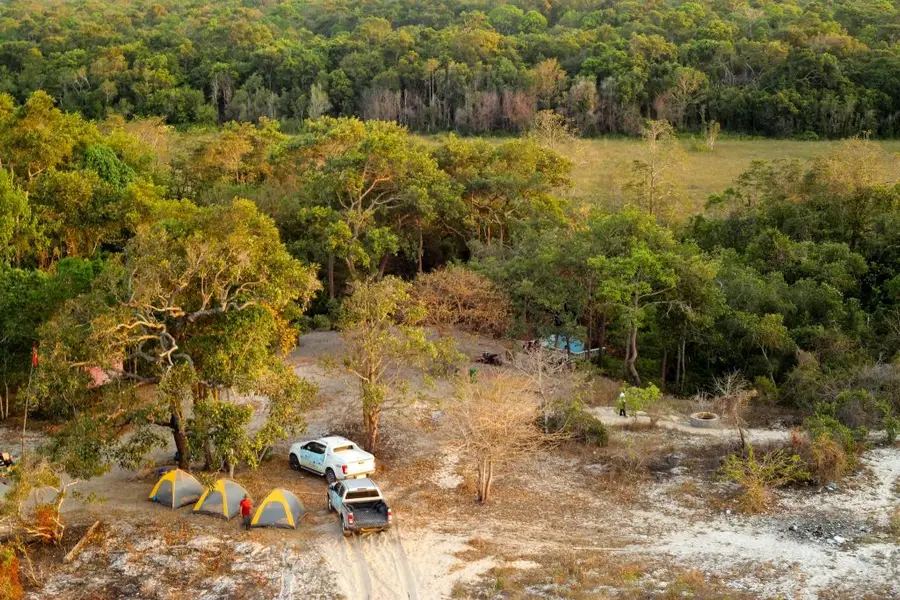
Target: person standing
(620, 404)
(246, 510)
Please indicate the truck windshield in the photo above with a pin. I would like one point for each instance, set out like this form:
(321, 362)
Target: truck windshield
(362, 494)
(343, 448)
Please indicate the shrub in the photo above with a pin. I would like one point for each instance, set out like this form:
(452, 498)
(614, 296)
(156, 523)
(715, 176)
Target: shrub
(640, 399)
(824, 422)
(768, 391)
(321, 323)
(758, 476)
(891, 428)
(457, 296)
(580, 424)
(10, 586)
(894, 521)
(826, 460)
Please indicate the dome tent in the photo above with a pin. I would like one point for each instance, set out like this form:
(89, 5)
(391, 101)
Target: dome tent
(281, 508)
(176, 489)
(222, 500)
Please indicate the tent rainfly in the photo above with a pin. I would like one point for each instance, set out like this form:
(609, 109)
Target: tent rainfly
(281, 508)
(176, 489)
(223, 500)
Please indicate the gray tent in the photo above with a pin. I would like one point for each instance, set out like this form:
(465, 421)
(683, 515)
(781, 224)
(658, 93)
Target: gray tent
(281, 508)
(223, 500)
(176, 489)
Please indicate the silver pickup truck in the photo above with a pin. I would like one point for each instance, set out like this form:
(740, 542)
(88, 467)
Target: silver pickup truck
(359, 505)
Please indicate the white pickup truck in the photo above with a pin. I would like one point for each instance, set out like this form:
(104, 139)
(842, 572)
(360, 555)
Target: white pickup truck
(334, 457)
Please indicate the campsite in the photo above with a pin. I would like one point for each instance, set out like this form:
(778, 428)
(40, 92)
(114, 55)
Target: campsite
(648, 521)
(450, 299)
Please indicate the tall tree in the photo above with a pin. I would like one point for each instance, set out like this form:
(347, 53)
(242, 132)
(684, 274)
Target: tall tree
(381, 327)
(196, 303)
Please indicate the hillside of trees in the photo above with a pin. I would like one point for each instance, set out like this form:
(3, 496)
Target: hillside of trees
(797, 68)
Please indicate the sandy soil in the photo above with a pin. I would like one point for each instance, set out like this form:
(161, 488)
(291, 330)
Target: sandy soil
(647, 499)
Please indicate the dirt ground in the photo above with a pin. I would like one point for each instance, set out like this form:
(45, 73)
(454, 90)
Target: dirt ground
(642, 518)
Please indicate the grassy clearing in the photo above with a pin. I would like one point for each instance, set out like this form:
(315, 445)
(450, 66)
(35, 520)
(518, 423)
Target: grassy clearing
(601, 163)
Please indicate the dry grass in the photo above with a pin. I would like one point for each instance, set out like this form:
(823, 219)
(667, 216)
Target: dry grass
(894, 522)
(689, 495)
(601, 164)
(596, 575)
(826, 460)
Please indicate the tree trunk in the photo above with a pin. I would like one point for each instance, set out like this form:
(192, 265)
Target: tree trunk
(383, 266)
(485, 478)
(602, 341)
(678, 366)
(207, 456)
(662, 375)
(632, 356)
(370, 420)
(331, 275)
(421, 249)
(181, 444)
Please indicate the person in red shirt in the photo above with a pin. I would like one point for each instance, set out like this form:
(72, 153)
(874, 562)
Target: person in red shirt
(246, 509)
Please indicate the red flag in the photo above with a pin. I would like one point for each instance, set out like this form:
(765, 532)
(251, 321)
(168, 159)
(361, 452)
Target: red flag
(34, 355)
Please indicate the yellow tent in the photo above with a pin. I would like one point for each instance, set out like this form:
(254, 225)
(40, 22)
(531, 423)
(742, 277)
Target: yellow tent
(176, 488)
(281, 508)
(223, 500)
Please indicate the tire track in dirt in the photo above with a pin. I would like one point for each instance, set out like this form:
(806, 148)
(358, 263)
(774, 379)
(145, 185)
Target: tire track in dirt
(360, 568)
(403, 564)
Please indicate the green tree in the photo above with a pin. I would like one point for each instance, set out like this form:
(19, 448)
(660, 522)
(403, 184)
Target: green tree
(195, 304)
(381, 327)
(373, 178)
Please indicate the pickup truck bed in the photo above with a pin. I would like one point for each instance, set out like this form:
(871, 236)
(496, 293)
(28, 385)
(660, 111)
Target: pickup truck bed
(369, 515)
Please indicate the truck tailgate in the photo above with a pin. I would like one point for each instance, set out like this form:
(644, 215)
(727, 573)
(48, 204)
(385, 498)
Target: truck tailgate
(358, 466)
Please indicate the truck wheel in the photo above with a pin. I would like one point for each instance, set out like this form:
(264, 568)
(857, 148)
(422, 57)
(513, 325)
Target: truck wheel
(330, 477)
(347, 533)
(295, 462)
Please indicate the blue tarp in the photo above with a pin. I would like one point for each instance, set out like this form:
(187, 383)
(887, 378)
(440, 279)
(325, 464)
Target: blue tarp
(558, 342)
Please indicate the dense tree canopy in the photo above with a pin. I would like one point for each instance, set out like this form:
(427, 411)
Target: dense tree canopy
(786, 68)
(157, 282)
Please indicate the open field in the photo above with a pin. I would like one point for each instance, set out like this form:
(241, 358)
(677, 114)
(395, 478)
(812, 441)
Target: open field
(601, 163)
(644, 517)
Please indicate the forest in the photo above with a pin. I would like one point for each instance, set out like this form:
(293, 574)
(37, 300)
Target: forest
(191, 264)
(799, 68)
(185, 187)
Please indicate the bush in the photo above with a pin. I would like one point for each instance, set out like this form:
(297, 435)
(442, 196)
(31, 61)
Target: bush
(758, 476)
(768, 391)
(826, 460)
(10, 586)
(321, 323)
(894, 522)
(457, 296)
(638, 399)
(580, 424)
(891, 428)
(824, 422)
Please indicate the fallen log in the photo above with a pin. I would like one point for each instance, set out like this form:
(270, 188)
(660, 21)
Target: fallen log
(81, 543)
